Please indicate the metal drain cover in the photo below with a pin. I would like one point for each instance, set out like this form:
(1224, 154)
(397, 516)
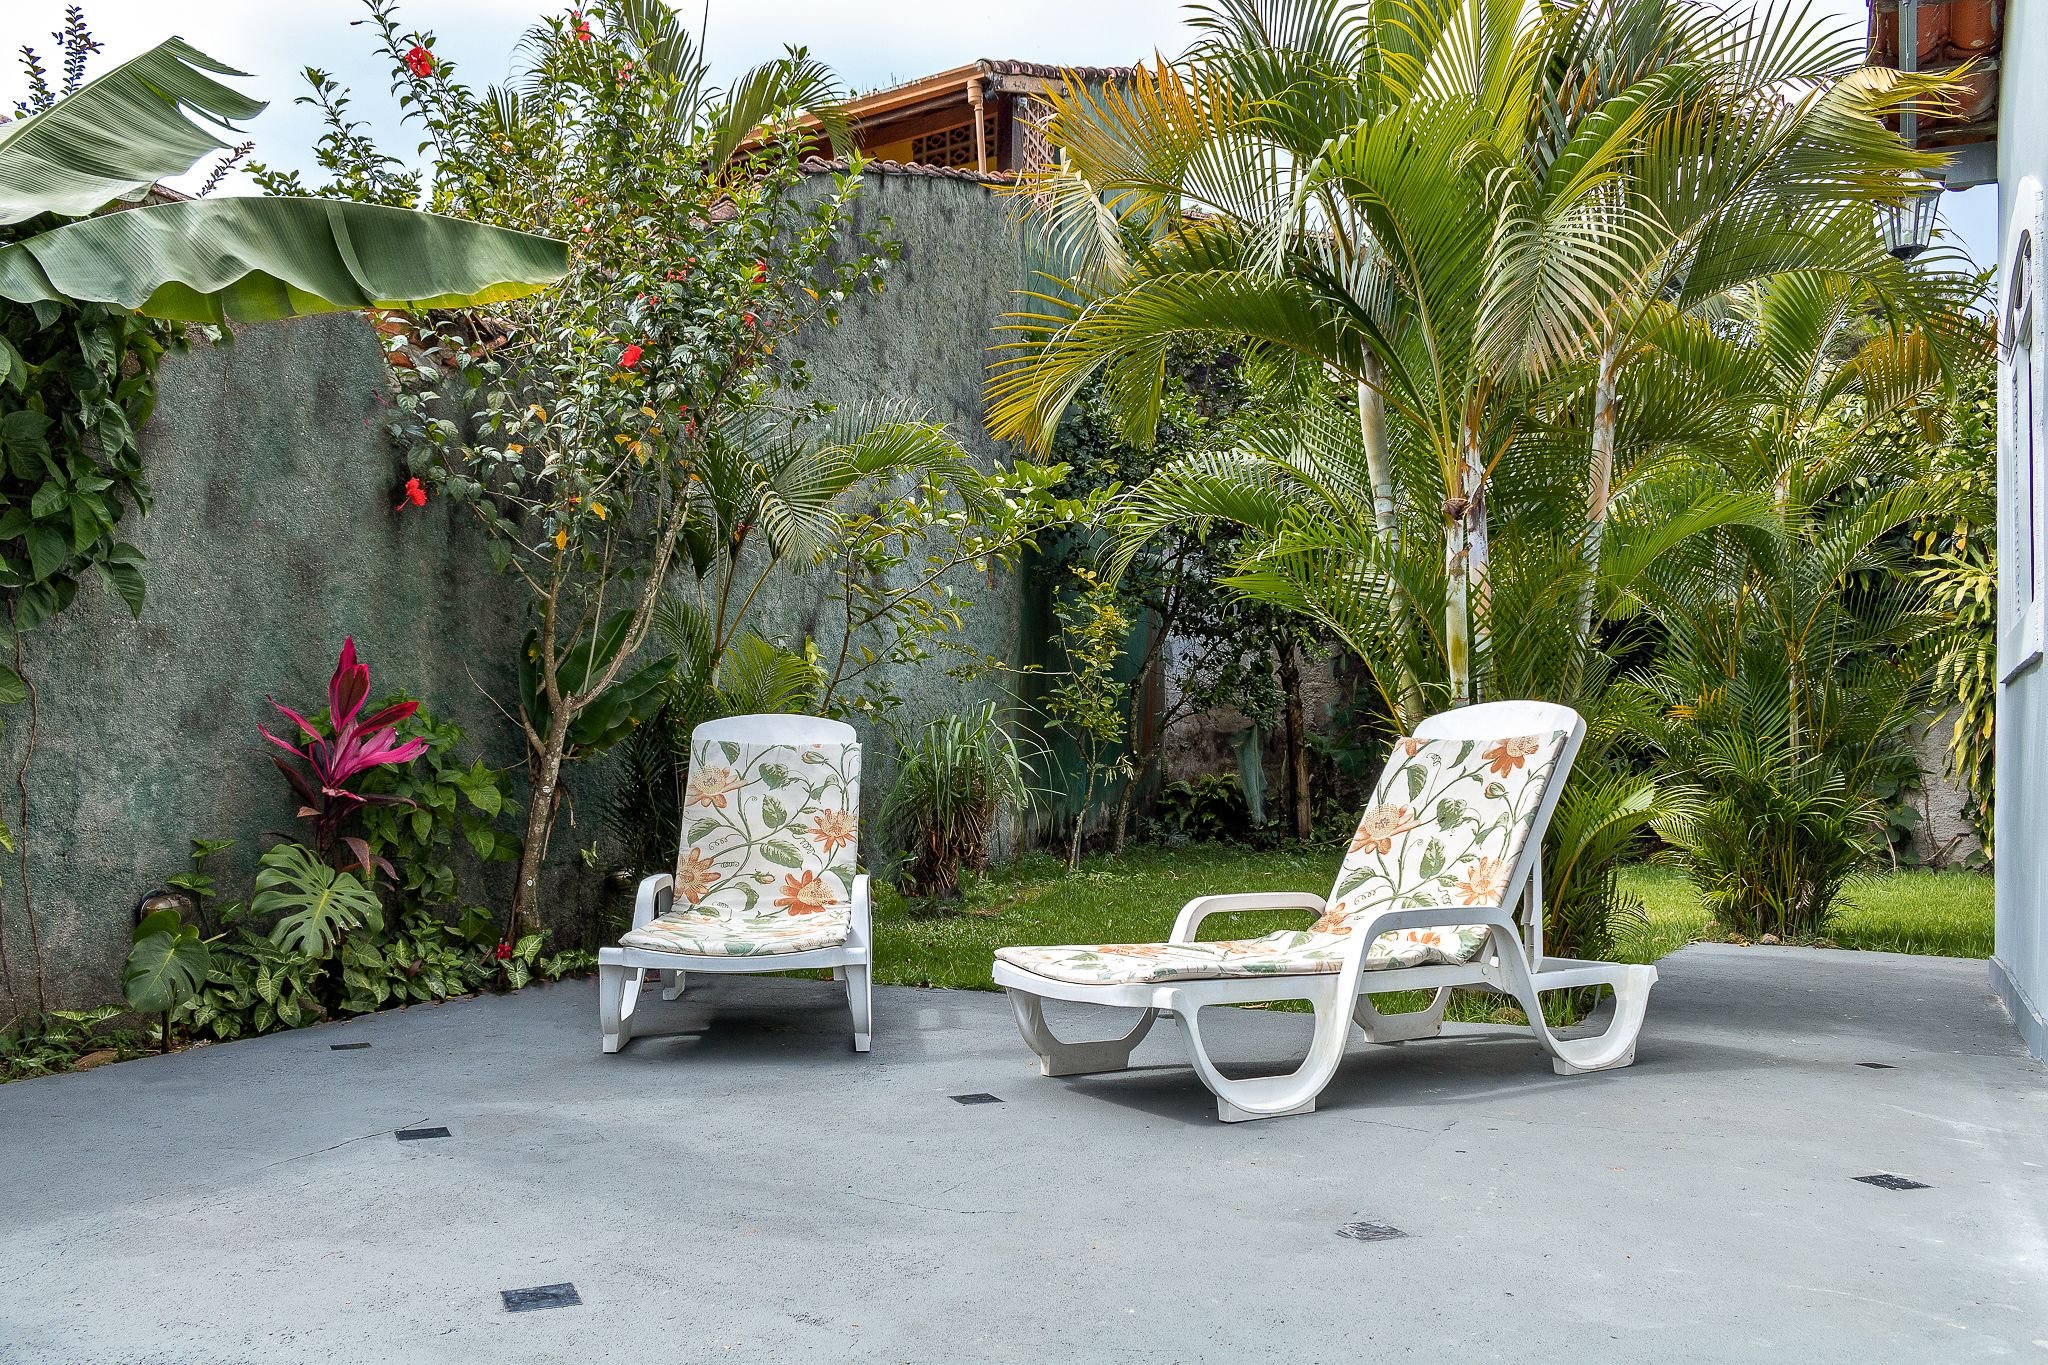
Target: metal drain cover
(1370, 1232)
(979, 1097)
(540, 1296)
(1885, 1180)
(415, 1134)
(346, 1047)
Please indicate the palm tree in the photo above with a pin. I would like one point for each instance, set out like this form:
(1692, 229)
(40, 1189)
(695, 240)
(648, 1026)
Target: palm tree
(1449, 205)
(1796, 649)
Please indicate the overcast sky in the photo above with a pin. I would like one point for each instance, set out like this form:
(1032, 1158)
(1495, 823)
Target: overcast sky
(869, 43)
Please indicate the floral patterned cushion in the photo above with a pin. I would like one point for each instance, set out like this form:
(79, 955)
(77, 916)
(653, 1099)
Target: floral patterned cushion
(702, 935)
(1447, 821)
(768, 856)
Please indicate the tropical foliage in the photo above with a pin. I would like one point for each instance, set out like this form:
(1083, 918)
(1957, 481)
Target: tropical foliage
(1465, 239)
(83, 290)
(1796, 648)
(644, 415)
(955, 780)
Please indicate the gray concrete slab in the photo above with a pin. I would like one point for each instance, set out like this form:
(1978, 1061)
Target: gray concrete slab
(744, 1188)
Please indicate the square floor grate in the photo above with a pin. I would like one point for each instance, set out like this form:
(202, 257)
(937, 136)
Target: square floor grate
(540, 1296)
(415, 1134)
(1370, 1232)
(346, 1047)
(1878, 1066)
(979, 1097)
(1885, 1180)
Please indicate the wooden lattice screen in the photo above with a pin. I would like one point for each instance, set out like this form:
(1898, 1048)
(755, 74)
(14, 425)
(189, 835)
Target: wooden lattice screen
(954, 146)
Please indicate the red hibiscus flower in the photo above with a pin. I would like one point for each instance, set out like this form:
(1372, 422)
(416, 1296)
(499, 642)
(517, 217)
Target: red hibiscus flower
(747, 318)
(581, 24)
(414, 495)
(504, 952)
(629, 357)
(419, 61)
(760, 272)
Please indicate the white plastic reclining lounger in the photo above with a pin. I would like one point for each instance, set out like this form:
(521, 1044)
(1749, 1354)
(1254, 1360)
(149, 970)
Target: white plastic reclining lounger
(765, 881)
(1426, 898)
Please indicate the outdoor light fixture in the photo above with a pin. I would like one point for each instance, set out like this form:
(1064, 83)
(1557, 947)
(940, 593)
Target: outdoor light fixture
(1908, 226)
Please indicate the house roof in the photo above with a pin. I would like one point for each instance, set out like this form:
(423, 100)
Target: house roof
(828, 165)
(1962, 36)
(1029, 77)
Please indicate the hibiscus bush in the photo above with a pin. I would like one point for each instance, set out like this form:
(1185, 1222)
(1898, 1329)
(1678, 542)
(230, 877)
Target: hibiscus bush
(577, 427)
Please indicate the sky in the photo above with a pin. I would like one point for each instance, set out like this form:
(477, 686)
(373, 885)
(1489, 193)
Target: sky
(870, 43)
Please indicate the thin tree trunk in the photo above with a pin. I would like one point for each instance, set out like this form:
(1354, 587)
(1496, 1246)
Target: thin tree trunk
(1379, 467)
(1457, 602)
(1127, 800)
(1600, 477)
(1372, 432)
(1297, 739)
(1465, 564)
(545, 796)
(1081, 821)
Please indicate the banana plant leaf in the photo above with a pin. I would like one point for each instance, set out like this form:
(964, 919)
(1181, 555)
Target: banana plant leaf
(117, 135)
(255, 259)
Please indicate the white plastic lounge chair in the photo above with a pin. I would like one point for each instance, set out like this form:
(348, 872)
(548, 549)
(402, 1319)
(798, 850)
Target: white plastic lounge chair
(1426, 899)
(765, 881)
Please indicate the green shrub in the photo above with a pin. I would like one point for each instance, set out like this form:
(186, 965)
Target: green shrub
(953, 783)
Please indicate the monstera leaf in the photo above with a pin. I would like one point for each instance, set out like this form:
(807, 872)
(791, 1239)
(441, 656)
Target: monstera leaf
(317, 904)
(221, 260)
(167, 966)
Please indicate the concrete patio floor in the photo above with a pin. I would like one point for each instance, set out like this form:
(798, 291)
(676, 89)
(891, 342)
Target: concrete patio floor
(745, 1188)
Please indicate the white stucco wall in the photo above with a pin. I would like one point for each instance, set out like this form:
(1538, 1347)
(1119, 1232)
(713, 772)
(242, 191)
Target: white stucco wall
(2019, 967)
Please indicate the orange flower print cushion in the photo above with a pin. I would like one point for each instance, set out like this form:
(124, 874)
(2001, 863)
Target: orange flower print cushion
(770, 840)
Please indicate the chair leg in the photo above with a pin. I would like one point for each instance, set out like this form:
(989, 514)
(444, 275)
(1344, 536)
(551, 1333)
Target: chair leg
(1270, 1097)
(672, 985)
(618, 991)
(1615, 1046)
(1057, 1057)
(859, 978)
(1401, 1028)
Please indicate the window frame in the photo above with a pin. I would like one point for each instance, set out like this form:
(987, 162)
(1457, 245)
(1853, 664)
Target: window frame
(2022, 350)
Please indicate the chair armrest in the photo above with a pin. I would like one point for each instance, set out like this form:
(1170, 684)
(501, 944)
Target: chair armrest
(862, 909)
(657, 893)
(1201, 907)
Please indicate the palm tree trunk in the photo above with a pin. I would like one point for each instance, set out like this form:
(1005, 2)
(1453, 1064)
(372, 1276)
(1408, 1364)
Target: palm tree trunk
(1297, 739)
(1600, 477)
(1465, 562)
(1457, 603)
(1379, 467)
(1372, 432)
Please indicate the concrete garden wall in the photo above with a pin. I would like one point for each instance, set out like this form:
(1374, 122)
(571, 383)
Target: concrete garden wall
(274, 535)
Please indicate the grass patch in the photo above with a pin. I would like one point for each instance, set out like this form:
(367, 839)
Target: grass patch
(1940, 914)
(1135, 896)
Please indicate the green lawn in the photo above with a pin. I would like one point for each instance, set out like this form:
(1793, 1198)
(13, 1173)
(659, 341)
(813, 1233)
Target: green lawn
(1134, 898)
(1943, 914)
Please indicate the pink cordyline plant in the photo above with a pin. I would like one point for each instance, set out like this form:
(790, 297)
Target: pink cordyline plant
(359, 743)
